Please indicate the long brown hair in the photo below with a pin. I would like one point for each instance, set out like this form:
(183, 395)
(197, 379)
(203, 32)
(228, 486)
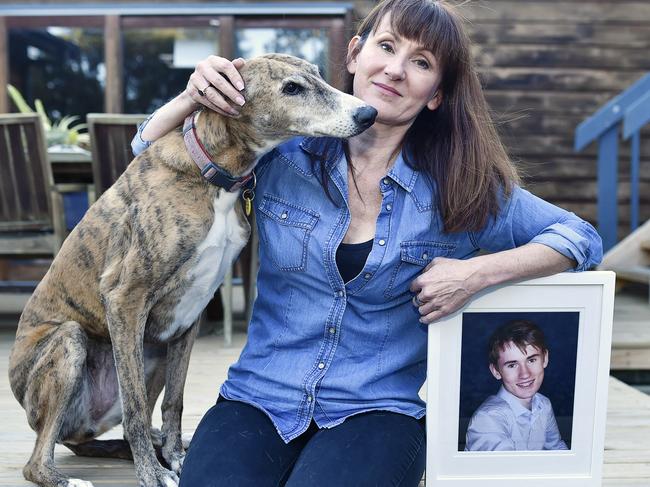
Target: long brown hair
(457, 144)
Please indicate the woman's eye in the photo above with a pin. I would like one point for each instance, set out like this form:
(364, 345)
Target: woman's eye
(292, 88)
(511, 366)
(386, 46)
(421, 63)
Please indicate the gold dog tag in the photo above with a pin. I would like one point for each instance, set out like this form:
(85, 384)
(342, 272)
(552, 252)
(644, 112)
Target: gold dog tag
(248, 196)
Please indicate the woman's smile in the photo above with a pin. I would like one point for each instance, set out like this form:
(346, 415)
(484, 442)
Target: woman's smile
(385, 89)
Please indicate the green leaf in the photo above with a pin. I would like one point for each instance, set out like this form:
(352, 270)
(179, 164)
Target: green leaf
(40, 109)
(65, 131)
(18, 100)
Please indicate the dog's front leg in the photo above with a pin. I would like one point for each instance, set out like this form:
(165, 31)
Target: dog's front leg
(178, 360)
(126, 313)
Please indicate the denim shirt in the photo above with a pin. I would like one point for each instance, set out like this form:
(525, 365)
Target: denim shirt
(322, 349)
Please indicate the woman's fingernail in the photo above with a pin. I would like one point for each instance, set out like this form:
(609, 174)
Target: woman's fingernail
(240, 85)
(240, 100)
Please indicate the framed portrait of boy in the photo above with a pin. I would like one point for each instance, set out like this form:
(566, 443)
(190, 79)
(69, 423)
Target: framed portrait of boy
(517, 385)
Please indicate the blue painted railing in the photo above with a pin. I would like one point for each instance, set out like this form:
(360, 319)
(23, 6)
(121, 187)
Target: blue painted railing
(631, 109)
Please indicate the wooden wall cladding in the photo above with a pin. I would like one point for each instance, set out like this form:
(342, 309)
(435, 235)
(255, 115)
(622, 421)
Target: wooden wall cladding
(545, 67)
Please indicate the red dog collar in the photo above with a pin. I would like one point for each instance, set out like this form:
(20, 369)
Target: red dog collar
(209, 170)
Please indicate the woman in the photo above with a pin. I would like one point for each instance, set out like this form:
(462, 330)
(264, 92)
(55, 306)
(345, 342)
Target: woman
(359, 239)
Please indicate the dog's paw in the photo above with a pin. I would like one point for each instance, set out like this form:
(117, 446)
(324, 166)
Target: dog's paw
(169, 481)
(175, 460)
(79, 483)
(160, 477)
(186, 438)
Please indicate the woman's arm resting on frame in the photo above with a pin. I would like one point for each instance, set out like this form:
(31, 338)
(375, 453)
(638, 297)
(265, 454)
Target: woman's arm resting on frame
(530, 237)
(447, 284)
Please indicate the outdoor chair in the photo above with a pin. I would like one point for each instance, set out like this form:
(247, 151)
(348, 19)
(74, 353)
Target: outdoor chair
(32, 222)
(110, 145)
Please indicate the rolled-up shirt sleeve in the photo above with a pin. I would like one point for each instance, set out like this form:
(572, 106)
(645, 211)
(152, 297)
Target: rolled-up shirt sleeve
(138, 144)
(525, 218)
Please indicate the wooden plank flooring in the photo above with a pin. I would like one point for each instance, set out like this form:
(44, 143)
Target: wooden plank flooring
(631, 335)
(208, 368)
(627, 455)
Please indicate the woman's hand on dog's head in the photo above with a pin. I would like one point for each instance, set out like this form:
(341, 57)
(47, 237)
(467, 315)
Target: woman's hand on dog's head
(216, 84)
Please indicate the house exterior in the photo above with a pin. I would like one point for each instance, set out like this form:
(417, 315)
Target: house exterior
(545, 66)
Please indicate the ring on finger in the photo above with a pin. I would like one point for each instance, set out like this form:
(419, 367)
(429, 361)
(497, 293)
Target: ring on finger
(202, 92)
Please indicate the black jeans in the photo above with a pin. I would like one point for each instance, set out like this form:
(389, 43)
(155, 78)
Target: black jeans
(237, 445)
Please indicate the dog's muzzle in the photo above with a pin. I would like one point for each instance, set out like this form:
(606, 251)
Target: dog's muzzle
(365, 116)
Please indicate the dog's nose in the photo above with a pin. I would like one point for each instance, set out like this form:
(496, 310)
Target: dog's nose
(365, 116)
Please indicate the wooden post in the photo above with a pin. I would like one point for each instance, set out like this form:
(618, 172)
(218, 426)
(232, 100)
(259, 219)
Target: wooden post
(227, 36)
(608, 187)
(337, 54)
(113, 98)
(4, 65)
(634, 180)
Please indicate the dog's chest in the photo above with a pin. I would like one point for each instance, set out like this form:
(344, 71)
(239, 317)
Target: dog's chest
(214, 256)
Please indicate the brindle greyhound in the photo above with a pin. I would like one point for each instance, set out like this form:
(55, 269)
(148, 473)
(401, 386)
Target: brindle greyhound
(114, 313)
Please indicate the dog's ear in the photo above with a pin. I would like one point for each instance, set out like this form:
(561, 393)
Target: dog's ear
(248, 73)
(294, 61)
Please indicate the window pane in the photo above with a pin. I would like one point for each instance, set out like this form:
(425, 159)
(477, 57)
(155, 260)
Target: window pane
(158, 62)
(309, 44)
(61, 66)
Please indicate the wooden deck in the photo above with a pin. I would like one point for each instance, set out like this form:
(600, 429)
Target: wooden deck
(631, 335)
(627, 444)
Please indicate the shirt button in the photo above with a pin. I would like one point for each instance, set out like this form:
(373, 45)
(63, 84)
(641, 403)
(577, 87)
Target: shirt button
(339, 294)
(386, 181)
(389, 207)
(382, 242)
(332, 330)
(284, 216)
(321, 365)
(309, 398)
(367, 275)
(425, 256)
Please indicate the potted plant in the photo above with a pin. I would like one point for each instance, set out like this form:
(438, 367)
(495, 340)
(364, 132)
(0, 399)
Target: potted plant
(64, 135)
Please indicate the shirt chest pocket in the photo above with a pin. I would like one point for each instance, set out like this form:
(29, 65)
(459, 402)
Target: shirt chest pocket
(285, 229)
(415, 255)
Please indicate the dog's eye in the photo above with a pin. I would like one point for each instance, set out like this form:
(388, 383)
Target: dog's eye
(292, 88)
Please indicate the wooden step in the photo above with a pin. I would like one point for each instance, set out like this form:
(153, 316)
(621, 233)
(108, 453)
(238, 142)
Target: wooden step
(632, 252)
(637, 273)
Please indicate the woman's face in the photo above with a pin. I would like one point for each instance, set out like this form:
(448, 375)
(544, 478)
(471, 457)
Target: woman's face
(396, 76)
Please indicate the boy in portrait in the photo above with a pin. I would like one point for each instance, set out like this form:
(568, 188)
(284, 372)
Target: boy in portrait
(517, 417)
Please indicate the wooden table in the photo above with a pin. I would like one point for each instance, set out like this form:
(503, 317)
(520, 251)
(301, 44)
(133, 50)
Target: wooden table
(71, 167)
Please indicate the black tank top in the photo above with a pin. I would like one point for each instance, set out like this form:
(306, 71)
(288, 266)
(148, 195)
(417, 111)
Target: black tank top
(350, 258)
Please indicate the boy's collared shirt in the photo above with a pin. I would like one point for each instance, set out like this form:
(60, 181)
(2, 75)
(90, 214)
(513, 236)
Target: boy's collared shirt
(322, 349)
(503, 423)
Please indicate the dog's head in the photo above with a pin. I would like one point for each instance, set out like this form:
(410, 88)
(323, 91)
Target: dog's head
(286, 96)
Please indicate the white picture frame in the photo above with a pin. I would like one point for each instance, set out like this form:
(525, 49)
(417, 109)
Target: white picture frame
(584, 303)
